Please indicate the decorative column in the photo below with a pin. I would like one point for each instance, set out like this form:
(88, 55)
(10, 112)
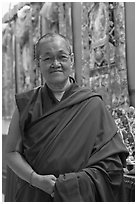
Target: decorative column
(130, 48)
(76, 27)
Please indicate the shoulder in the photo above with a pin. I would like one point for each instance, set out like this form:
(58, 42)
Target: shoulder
(94, 95)
(27, 94)
(22, 99)
(95, 99)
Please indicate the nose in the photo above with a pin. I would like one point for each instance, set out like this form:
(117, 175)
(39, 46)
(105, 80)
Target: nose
(56, 62)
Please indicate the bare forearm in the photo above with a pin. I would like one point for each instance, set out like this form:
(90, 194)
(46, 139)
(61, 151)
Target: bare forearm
(19, 165)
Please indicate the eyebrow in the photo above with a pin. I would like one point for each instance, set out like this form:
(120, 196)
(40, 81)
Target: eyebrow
(64, 52)
(60, 51)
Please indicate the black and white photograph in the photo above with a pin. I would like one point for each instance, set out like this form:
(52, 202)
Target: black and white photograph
(68, 101)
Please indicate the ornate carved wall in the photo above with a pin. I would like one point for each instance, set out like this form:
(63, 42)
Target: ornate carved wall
(104, 67)
(104, 60)
(103, 48)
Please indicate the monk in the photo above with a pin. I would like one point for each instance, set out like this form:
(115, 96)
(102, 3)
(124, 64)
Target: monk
(63, 143)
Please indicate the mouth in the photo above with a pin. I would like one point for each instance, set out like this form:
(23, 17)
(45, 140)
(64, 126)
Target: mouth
(55, 70)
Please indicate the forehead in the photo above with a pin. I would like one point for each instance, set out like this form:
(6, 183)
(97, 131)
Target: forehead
(53, 44)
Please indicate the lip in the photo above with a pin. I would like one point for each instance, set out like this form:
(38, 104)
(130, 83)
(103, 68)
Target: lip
(55, 70)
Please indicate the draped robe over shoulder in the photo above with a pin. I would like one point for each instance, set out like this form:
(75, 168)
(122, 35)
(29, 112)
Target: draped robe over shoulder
(76, 140)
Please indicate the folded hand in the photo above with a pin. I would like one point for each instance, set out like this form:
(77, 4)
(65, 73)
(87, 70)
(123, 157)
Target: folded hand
(47, 183)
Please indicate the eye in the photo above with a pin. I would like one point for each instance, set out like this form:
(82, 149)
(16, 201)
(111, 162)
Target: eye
(47, 59)
(63, 57)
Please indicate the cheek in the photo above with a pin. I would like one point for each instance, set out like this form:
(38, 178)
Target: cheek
(68, 68)
(44, 70)
(69, 72)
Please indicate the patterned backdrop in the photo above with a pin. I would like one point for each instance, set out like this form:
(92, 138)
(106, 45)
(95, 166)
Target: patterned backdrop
(103, 54)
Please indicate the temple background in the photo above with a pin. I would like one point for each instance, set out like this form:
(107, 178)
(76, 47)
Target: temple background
(99, 36)
(103, 48)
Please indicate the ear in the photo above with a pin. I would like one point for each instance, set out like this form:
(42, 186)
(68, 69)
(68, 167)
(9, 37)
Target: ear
(72, 59)
(37, 62)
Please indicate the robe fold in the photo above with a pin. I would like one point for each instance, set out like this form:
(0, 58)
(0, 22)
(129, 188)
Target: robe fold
(76, 140)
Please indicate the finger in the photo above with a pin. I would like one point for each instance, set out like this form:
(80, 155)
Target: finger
(52, 194)
(53, 177)
(53, 182)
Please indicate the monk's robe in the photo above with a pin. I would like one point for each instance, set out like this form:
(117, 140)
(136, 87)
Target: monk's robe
(76, 140)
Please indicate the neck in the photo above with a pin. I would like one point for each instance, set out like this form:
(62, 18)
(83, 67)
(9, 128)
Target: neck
(59, 87)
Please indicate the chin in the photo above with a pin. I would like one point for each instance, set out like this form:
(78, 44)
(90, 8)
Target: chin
(58, 79)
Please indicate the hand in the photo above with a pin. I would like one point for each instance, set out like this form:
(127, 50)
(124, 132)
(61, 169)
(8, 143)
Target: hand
(46, 183)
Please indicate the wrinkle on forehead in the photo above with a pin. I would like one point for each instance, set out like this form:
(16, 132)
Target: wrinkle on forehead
(56, 44)
(55, 39)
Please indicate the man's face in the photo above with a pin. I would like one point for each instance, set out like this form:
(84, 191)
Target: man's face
(55, 60)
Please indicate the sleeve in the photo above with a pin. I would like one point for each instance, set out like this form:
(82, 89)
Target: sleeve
(99, 182)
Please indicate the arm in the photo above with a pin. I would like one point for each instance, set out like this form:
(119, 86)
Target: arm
(100, 180)
(17, 162)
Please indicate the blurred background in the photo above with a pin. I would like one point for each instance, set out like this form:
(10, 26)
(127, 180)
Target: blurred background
(104, 49)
